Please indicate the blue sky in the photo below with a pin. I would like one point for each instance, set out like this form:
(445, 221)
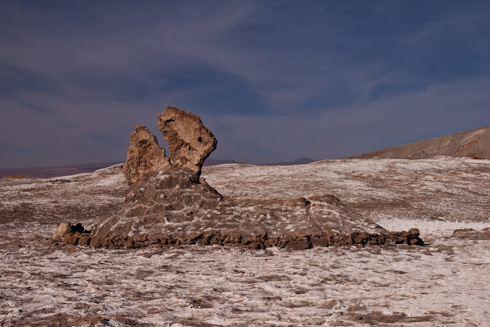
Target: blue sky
(273, 80)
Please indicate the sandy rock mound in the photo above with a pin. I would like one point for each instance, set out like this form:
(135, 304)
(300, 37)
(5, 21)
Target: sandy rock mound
(173, 201)
(167, 201)
(173, 207)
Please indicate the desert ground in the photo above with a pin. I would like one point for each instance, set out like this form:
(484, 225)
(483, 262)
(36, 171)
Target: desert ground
(444, 283)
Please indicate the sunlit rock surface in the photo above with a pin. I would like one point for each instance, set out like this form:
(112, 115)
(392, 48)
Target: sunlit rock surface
(189, 141)
(144, 155)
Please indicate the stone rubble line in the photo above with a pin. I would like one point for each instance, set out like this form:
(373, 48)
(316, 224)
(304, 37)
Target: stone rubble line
(77, 235)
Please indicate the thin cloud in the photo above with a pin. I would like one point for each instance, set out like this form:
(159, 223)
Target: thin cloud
(273, 80)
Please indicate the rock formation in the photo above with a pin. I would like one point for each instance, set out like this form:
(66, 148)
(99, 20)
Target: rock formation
(190, 143)
(144, 155)
(473, 144)
(173, 207)
(168, 204)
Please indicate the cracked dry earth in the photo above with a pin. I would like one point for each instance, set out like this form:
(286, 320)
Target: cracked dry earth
(446, 283)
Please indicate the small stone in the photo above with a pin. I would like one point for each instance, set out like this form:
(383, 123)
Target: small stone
(300, 242)
(63, 229)
(254, 246)
(96, 243)
(414, 232)
(320, 241)
(84, 240)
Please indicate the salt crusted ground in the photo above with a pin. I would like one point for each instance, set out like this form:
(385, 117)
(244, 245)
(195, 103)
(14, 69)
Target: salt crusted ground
(446, 283)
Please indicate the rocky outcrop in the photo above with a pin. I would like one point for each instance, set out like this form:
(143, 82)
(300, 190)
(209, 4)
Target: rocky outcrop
(174, 207)
(144, 155)
(190, 143)
(167, 203)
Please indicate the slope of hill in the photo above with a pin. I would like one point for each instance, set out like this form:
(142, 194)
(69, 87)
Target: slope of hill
(474, 143)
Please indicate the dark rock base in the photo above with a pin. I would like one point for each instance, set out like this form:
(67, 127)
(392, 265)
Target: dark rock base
(76, 235)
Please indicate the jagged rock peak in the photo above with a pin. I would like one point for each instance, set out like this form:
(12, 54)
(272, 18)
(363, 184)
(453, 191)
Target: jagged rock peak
(189, 141)
(144, 155)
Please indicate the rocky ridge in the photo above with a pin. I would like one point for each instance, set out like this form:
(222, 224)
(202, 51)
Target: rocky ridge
(472, 144)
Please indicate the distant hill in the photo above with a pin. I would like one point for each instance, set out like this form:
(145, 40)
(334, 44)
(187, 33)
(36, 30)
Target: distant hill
(299, 161)
(47, 172)
(214, 162)
(474, 143)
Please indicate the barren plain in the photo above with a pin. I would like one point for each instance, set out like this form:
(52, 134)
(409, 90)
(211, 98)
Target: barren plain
(445, 283)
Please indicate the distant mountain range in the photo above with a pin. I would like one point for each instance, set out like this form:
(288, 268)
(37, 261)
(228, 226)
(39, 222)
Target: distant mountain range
(214, 162)
(299, 161)
(47, 172)
(474, 143)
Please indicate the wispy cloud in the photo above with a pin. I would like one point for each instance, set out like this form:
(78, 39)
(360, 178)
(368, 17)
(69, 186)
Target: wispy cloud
(273, 80)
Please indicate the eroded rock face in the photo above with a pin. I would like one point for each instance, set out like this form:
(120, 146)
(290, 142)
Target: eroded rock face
(163, 201)
(190, 143)
(144, 155)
